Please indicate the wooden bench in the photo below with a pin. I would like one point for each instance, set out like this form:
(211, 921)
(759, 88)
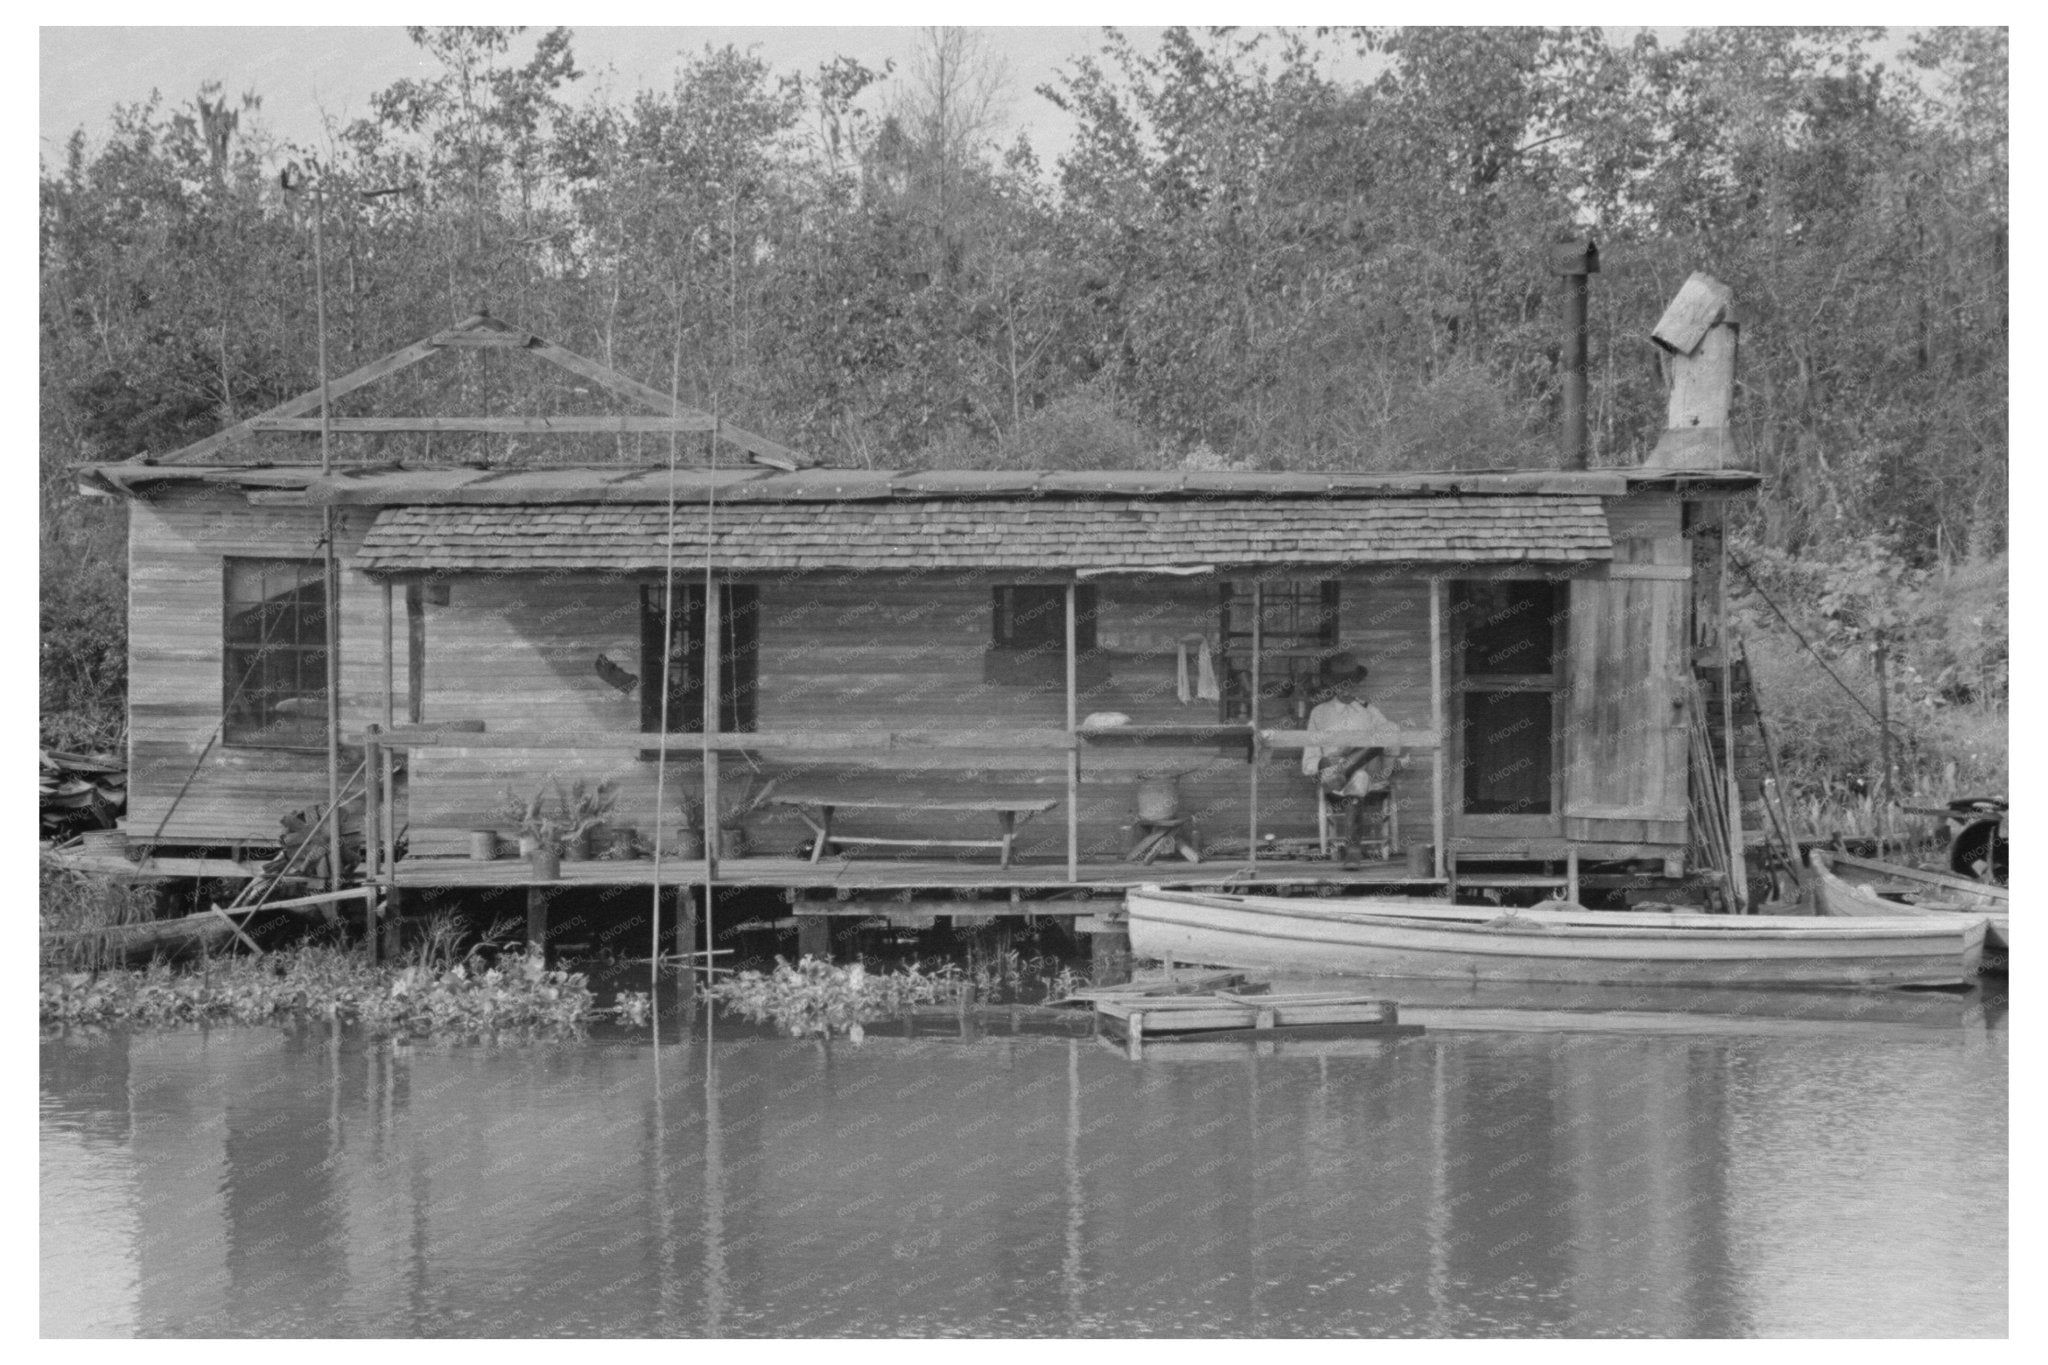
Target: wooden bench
(816, 810)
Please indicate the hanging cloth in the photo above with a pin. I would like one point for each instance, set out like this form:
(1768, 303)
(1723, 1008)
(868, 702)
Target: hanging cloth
(1181, 687)
(1205, 674)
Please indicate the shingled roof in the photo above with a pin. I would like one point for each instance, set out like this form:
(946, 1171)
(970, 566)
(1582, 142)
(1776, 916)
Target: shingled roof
(1098, 534)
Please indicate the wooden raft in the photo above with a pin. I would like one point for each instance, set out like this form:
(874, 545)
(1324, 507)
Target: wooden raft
(1246, 1013)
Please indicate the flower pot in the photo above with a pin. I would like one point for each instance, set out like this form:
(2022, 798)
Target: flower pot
(576, 848)
(528, 845)
(623, 841)
(483, 845)
(732, 843)
(545, 864)
(685, 844)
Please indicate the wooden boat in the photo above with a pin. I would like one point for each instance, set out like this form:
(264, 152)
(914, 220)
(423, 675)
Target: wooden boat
(1845, 884)
(1395, 936)
(134, 945)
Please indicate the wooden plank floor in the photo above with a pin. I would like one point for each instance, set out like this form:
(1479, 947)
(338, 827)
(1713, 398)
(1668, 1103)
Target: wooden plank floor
(874, 874)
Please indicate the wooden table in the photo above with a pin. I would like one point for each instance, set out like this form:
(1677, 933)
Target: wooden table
(816, 810)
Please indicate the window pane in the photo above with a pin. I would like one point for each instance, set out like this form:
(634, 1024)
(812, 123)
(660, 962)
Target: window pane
(274, 682)
(1508, 628)
(1507, 753)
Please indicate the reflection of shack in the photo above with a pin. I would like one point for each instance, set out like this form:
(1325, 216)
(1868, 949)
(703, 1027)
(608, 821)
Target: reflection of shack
(909, 655)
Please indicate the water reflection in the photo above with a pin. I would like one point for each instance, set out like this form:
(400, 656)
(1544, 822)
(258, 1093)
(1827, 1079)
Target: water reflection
(249, 1182)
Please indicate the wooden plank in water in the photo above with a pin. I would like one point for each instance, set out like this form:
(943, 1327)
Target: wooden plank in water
(1201, 1014)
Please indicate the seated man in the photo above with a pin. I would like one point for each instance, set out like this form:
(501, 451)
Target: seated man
(1359, 776)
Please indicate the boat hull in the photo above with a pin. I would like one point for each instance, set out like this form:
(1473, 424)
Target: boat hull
(1843, 885)
(1392, 937)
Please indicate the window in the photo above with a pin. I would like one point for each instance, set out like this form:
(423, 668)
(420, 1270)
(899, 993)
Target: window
(1299, 632)
(273, 633)
(1034, 619)
(739, 658)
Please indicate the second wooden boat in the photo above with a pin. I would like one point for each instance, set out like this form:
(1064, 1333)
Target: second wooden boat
(1845, 884)
(1392, 936)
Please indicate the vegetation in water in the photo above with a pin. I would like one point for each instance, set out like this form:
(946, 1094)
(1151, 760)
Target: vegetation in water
(470, 996)
(819, 999)
(815, 999)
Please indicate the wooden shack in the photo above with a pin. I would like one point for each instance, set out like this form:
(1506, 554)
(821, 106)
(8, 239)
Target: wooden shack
(935, 655)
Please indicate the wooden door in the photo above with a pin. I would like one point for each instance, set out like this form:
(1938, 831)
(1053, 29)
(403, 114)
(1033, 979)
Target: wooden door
(1625, 735)
(1505, 703)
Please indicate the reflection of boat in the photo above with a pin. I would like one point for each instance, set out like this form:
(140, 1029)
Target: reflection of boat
(1847, 885)
(1389, 936)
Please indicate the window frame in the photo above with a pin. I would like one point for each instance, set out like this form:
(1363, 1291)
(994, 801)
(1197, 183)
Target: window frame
(309, 644)
(1048, 621)
(740, 659)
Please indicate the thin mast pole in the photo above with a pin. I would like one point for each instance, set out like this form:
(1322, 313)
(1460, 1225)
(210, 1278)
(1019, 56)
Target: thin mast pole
(713, 628)
(668, 628)
(331, 583)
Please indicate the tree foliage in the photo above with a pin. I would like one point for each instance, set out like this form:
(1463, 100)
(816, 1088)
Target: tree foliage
(1243, 257)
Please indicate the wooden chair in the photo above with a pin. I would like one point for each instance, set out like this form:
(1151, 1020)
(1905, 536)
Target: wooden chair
(1387, 844)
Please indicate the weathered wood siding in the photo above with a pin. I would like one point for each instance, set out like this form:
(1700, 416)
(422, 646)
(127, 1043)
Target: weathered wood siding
(886, 654)
(177, 545)
(1626, 669)
(890, 653)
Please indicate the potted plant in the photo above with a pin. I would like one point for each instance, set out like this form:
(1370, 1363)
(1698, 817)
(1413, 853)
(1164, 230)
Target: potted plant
(581, 810)
(733, 815)
(540, 833)
(687, 841)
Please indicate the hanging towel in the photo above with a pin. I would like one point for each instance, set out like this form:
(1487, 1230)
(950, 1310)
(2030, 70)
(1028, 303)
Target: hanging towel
(1205, 674)
(1180, 683)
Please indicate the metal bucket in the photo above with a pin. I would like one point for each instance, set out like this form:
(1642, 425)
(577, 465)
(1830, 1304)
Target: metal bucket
(1159, 798)
(483, 845)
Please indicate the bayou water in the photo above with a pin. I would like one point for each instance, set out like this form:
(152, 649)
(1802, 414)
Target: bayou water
(1771, 1171)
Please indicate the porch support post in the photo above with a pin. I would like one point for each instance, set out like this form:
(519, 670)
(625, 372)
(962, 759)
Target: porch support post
(1258, 649)
(537, 920)
(388, 764)
(1073, 752)
(713, 671)
(1436, 720)
(372, 754)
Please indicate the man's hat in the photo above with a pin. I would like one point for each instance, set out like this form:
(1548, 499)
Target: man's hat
(1343, 667)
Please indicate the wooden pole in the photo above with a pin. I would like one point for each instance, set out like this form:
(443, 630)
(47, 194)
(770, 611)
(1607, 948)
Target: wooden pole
(388, 765)
(668, 651)
(537, 920)
(1882, 662)
(1258, 648)
(1738, 870)
(1073, 725)
(330, 572)
(1436, 721)
(712, 757)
